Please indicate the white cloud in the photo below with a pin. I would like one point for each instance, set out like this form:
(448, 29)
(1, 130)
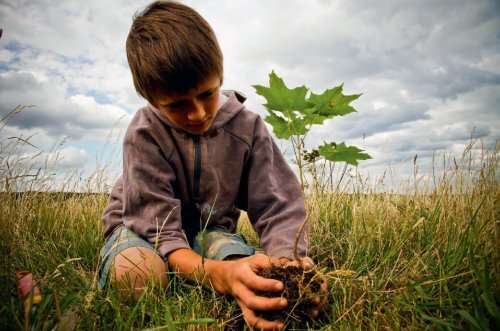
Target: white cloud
(54, 112)
(72, 157)
(94, 115)
(72, 29)
(61, 159)
(429, 71)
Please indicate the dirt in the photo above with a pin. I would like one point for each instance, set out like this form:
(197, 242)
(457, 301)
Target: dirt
(301, 287)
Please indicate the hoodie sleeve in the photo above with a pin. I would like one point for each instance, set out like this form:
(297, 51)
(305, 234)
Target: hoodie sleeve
(275, 202)
(149, 206)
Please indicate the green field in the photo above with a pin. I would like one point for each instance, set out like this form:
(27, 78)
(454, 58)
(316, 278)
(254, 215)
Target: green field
(411, 258)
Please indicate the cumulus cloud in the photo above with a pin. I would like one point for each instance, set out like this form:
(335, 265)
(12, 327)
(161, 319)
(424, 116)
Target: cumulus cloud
(62, 159)
(86, 30)
(31, 161)
(55, 112)
(71, 157)
(429, 71)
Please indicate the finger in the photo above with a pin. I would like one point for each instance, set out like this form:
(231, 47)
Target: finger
(318, 307)
(320, 301)
(257, 283)
(283, 261)
(308, 263)
(293, 263)
(255, 302)
(263, 261)
(323, 291)
(258, 323)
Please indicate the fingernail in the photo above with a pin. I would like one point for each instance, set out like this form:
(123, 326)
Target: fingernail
(279, 286)
(283, 302)
(280, 326)
(314, 313)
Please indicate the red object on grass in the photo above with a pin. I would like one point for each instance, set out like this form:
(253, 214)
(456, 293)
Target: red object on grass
(28, 287)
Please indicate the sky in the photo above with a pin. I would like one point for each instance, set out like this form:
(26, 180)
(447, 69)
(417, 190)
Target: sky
(428, 71)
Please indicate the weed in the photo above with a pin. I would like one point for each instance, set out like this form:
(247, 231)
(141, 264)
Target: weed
(422, 256)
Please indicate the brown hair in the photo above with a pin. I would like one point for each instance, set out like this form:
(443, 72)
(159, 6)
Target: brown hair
(171, 48)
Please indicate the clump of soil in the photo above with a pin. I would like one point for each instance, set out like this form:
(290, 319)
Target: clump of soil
(301, 287)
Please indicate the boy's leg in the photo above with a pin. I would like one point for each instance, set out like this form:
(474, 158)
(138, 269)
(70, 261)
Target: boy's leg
(134, 268)
(130, 263)
(219, 244)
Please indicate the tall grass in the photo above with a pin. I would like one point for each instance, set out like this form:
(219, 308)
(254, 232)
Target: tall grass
(424, 256)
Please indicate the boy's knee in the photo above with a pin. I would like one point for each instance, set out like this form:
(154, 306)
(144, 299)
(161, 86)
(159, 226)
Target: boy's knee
(135, 267)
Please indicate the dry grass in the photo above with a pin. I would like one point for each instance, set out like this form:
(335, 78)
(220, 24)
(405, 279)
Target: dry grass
(424, 256)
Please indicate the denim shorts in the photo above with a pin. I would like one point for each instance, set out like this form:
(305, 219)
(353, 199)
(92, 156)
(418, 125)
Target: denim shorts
(214, 243)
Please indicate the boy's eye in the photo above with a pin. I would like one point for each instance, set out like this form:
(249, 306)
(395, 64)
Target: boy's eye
(207, 94)
(176, 105)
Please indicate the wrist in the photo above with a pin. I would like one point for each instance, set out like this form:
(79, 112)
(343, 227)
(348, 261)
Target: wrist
(214, 272)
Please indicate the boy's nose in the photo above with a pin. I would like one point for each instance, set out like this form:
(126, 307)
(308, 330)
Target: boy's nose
(197, 112)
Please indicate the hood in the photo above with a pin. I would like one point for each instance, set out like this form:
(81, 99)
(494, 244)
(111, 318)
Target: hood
(230, 104)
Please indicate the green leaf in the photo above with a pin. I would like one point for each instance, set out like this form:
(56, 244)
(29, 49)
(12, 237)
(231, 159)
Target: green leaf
(281, 98)
(133, 315)
(284, 129)
(487, 296)
(469, 318)
(170, 320)
(439, 321)
(280, 126)
(313, 117)
(299, 126)
(342, 153)
(332, 102)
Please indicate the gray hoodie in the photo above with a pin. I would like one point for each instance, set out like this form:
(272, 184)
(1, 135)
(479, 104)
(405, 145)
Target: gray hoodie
(174, 182)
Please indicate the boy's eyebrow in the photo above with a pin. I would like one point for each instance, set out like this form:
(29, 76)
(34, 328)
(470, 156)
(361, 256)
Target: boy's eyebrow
(179, 101)
(173, 103)
(168, 104)
(210, 90)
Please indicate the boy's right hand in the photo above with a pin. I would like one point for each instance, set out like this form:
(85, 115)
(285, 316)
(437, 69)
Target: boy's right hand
(239, 278)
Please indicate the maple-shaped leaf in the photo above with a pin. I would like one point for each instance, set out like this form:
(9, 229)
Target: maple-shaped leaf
(342, 153)
(281, 98)
(299, 126)
(280, 125)
(284, 129)
(332, 102)
(313, 117)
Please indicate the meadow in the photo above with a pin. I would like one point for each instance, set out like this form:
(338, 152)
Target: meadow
(421, 256)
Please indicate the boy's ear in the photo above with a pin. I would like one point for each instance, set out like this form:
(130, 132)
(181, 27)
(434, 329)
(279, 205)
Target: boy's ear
(152, 101)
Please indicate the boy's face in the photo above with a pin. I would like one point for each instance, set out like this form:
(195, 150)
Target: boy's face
(193, 111)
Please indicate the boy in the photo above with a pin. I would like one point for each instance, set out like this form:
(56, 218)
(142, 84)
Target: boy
(192, 159)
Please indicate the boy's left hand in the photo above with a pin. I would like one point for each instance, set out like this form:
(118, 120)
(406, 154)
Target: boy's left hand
(321, 300)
